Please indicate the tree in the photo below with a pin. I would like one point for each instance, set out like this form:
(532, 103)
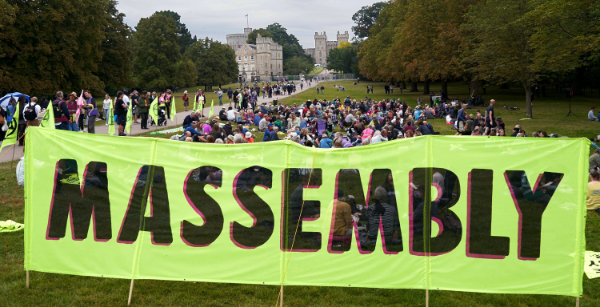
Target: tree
(344, 59)
(117, 54)
(185, 37)
(49, 46)
(156, 50)
(214, 62)
(502, 36)
(186, 73)
(365, 18)
(297, 65)
(252, 35)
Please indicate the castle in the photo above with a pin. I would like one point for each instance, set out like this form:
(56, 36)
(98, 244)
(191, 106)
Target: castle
(256, 62)
(322, 46)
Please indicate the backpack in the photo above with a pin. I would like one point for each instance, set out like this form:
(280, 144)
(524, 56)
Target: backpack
(57, 110)
(30, 113)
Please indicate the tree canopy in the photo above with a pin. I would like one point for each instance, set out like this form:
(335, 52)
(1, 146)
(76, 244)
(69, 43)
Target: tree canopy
(185, 37)
(214, 62)
(50, 45)
(344, 59)
(499, 41)
(365, 18)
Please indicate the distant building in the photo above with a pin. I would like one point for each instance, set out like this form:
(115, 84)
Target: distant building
(322, 46)
(236, 41)
(257, 62)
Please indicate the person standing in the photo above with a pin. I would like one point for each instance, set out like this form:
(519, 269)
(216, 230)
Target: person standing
(92, 109)
(186, 100)
(72, 106)
(201, 100)
(134, 99)
(121, 112)
(168, 100)
(229, 95)
(220, 94)
(143, 105)
(322, 89)
(106, 106)
(62, 117)
(490, 120)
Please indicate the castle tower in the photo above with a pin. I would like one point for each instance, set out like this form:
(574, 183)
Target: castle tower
(321, 48)
(342, 37)
(247, 30)
(263, 54)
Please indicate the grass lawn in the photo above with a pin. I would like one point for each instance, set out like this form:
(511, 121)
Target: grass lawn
(60, 290)
(316, 71)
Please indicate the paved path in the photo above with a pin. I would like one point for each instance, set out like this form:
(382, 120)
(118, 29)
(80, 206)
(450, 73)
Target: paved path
(136, 128)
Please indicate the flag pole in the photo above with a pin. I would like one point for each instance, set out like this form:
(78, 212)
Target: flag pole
(130, 292)
(247, 22)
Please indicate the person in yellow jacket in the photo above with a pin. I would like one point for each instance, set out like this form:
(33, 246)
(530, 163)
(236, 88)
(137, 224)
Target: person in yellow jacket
(593, 194)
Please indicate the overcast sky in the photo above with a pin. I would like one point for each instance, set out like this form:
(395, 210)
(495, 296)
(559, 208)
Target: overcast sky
(216, 19)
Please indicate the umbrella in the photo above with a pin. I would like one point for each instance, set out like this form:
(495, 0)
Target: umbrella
(6, 99)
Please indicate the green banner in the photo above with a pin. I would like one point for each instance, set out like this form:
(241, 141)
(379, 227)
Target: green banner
(497, 215)
(10, 137)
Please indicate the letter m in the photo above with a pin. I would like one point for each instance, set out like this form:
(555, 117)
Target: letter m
(82, 201)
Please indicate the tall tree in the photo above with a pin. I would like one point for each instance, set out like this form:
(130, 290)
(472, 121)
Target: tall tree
(502, 40)
(51, 45)
(365, 18)
(115, 69)
(185, 37)
(157, 52)
(214, 62)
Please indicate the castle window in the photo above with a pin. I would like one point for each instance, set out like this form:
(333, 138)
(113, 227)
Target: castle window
(245, 50)
(251, 57)
(239, 58)
(245, 57)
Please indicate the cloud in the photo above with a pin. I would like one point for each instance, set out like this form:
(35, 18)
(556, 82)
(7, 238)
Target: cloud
(216, 19)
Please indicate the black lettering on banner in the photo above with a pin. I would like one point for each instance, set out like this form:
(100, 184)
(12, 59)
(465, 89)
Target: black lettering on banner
(295, 209)
(423, 210)
(264, 220)
(85, 201)
(531, 202)
(149, 187)
(480, 242)
(376, 214)
(204, 205)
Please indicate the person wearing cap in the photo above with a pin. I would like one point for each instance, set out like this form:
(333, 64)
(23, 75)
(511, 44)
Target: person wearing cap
(72, 106)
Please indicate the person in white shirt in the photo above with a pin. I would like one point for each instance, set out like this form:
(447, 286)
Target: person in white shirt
(106, 106)
(231, 114)
(126, 99)
(32, 104)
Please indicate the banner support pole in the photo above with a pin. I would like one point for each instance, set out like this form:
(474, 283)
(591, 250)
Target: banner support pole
(426, 297)
(27, 279)
(577, 302)
(281, 297)
(130, 292)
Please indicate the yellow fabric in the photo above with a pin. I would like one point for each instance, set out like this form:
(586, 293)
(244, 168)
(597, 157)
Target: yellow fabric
(593, 195)
(343, 214)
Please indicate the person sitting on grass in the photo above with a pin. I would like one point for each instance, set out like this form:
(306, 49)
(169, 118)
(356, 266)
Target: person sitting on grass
(591, 115)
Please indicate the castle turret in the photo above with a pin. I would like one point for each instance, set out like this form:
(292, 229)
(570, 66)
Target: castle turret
(343, 37)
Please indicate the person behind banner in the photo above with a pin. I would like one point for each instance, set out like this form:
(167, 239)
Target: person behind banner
(92, 111)
(121, 112)
(30, 113)
(593, 193)
(168, 100)
(142, 109)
